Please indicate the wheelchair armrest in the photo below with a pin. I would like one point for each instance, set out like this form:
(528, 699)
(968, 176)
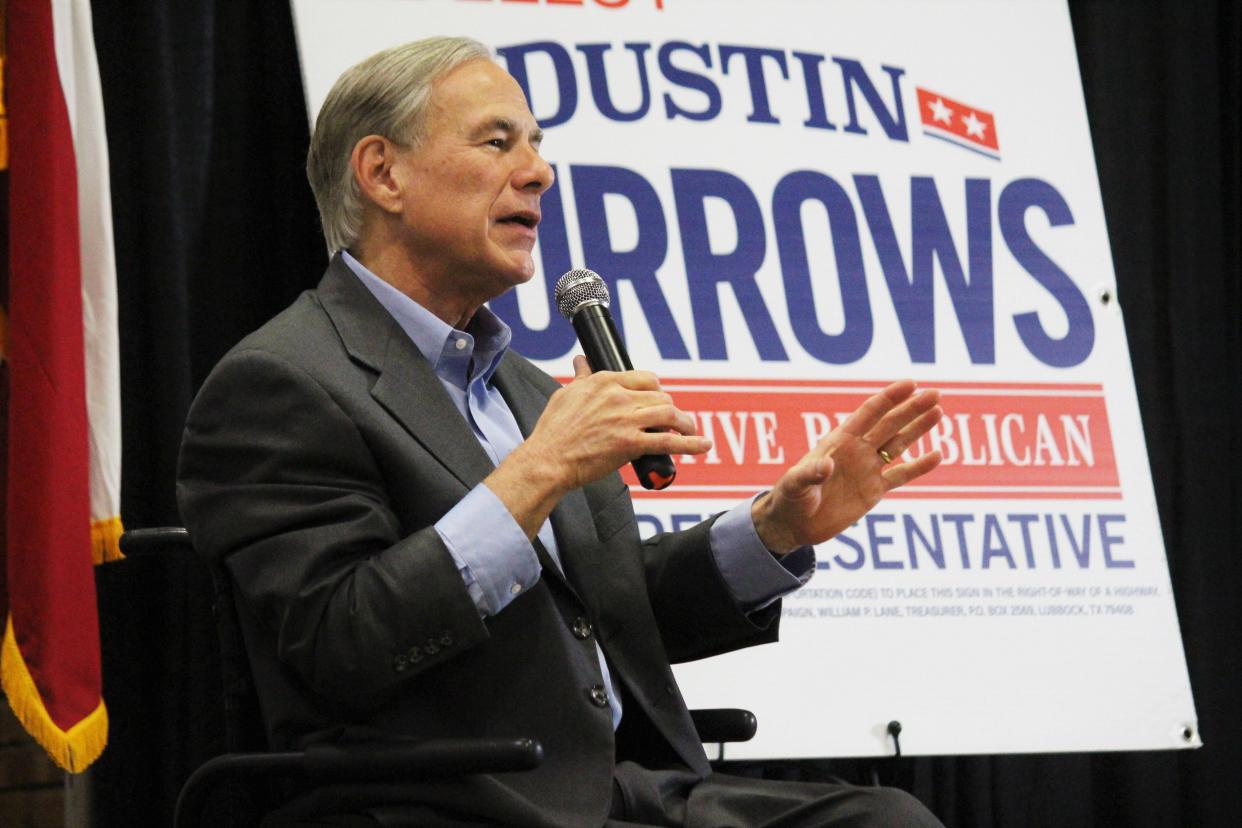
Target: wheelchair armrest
(398, 761)
(327, 762)
(724, 724)
(140, 542)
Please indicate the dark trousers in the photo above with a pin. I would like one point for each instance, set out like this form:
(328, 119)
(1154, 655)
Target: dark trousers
(676, 799)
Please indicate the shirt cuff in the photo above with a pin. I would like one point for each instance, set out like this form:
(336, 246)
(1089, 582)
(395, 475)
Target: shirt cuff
(496, 560)
(754, 575)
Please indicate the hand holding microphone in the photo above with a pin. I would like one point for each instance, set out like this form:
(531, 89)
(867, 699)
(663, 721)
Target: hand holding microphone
(582, 298)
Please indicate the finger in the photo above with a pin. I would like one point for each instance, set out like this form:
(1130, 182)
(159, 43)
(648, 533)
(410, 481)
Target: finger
(876, 406)
(807, 473)
(901, 416)
(670, 442)
(895, 476)
(665, 417)
(582, 368)
(824, 448)
(909, 435)
(649, 399)
(639, 380)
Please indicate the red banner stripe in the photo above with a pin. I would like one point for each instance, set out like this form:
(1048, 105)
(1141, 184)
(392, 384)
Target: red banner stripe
(997, 440)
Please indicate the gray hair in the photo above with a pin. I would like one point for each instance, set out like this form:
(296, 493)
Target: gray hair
(386, 94)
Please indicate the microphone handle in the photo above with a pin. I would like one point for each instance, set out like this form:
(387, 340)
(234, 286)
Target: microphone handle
(604, 350)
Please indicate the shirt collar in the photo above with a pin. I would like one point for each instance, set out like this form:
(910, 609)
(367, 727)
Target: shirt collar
(451, 352)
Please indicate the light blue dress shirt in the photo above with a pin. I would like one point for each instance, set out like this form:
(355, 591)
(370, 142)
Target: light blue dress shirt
(496, 560)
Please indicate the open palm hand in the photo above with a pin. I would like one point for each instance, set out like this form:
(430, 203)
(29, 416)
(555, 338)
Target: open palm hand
(847, 473)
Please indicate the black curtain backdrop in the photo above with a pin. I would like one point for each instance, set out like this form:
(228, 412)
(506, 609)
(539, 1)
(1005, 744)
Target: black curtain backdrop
(216, 231)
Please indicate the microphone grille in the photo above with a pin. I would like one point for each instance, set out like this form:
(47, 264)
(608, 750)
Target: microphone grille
(577, 288)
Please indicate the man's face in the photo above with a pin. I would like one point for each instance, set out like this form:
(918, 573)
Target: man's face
(472, 187)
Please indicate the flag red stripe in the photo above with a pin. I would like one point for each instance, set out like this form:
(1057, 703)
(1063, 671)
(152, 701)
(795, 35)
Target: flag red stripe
(51, 588)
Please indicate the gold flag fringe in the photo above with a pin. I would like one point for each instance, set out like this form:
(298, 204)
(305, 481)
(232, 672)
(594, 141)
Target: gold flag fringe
(106, 540)
(73, 749)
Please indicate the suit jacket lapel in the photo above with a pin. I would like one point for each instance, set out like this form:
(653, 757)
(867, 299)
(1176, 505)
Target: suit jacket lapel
(406, 385)
(408, 388)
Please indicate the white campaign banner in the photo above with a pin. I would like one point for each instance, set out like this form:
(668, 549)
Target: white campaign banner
(793, 203)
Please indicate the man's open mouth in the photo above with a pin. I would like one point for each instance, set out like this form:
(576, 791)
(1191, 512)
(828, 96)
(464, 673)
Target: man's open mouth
(525, 219)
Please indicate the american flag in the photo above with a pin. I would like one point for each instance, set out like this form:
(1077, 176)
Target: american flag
(966, 126)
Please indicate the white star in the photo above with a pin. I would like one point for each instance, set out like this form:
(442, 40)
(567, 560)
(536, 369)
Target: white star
(974, 126)
(940, 112)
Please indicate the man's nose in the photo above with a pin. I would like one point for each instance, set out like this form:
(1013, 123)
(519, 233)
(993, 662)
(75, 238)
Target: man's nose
(533, 173)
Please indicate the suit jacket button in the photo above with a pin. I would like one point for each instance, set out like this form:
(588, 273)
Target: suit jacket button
(446, 639)
(582, 629)
(599, 696)
(431, 647)
(399, 664)
(414, 655)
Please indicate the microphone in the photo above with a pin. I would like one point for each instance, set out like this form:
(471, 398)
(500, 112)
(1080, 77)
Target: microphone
(582, 298)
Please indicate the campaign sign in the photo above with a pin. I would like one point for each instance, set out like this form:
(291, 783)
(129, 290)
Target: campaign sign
(793, 203)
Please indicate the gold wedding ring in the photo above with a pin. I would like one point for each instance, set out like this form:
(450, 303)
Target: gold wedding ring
(884, 455)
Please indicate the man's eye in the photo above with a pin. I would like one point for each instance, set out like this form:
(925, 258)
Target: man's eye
(497, 142)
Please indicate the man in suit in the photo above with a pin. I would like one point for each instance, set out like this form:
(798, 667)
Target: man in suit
(428, 535)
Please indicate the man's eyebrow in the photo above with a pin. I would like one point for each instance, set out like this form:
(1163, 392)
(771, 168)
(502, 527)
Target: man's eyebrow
(495, 125)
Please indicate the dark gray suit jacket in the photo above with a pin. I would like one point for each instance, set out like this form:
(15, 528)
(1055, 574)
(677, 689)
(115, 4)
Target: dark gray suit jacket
(316, 459)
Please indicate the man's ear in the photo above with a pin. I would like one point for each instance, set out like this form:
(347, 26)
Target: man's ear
(372, 161)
